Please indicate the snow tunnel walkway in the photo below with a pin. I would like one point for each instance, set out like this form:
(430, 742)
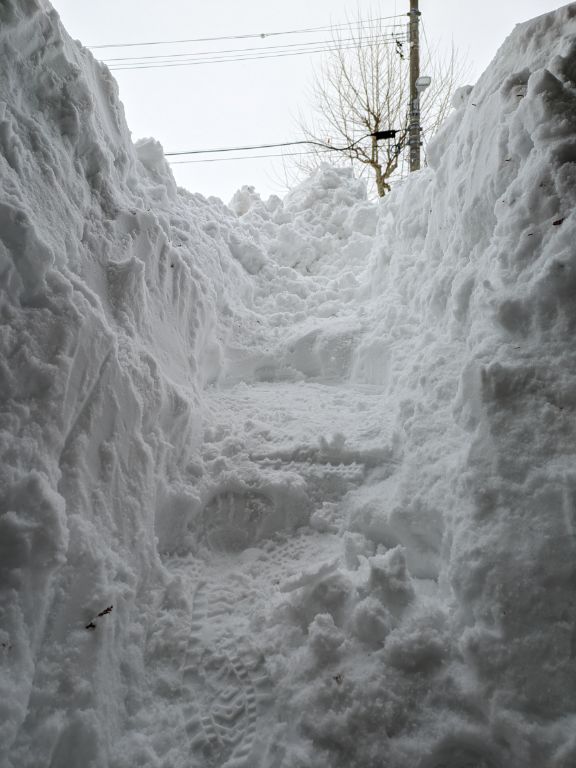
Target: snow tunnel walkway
(282, 455)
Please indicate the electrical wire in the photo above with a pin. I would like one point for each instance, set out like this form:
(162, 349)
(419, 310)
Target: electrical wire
(244, 157)
(234, 149)
(305, 30)
(255, 57)
(204, 57)
(267, 52)
(309, 142)
(138, 59)
(428, 49)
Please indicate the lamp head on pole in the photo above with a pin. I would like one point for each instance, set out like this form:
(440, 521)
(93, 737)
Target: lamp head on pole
(422, 83)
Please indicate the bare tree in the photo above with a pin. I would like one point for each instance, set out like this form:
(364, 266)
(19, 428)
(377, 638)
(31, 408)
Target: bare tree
(363, 88)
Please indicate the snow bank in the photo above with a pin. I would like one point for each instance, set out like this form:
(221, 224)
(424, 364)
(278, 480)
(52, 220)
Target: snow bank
(112, 286)
(316, 455)
(471, 281)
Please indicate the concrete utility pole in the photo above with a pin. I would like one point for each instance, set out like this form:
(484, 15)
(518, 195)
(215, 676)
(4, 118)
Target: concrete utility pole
(414, 134)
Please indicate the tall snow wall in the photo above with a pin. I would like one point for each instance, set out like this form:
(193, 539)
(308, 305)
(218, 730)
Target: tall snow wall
(110, 284)
(474, 279)
(116, 291)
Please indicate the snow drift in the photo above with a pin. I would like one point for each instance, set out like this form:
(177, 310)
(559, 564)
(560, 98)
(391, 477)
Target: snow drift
(316, 455)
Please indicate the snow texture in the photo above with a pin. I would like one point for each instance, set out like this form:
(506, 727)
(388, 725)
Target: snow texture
(287, 483)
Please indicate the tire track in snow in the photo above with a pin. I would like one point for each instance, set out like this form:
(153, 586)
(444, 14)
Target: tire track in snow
(225, 677)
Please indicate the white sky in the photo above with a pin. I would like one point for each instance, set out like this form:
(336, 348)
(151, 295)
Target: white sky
(254, 102)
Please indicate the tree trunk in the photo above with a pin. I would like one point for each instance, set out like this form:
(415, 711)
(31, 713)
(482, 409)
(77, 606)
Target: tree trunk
(381, 184)
(375, 161)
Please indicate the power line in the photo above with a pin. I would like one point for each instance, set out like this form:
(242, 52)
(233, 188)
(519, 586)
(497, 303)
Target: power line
(235, 149)
(428, 49)
(305, 30)
(255, 57)
(232, 59)
(310, 142)
(244, 157)
(261, 49)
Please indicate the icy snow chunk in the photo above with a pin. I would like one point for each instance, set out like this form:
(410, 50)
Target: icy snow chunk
(33, 531)
(390, 580)
(461, 96)
(329, 591)
(513, 89)
(322, 520)
(22, 250)
(151, 154)
(356, 547)
(371, 621)
(325, 639)
(325, 351)
(248, 253)
(388, 521)
(309, 576)
(246, 199)
(420, 645)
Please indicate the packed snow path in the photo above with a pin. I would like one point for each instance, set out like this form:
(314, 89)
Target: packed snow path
(283, 456)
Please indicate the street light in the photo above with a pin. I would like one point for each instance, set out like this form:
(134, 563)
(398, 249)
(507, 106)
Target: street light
(422, 83)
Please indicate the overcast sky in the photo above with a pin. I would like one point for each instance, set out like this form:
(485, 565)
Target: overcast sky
(253, 102)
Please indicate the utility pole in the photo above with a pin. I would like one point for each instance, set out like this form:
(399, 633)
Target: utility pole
(414, 133)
